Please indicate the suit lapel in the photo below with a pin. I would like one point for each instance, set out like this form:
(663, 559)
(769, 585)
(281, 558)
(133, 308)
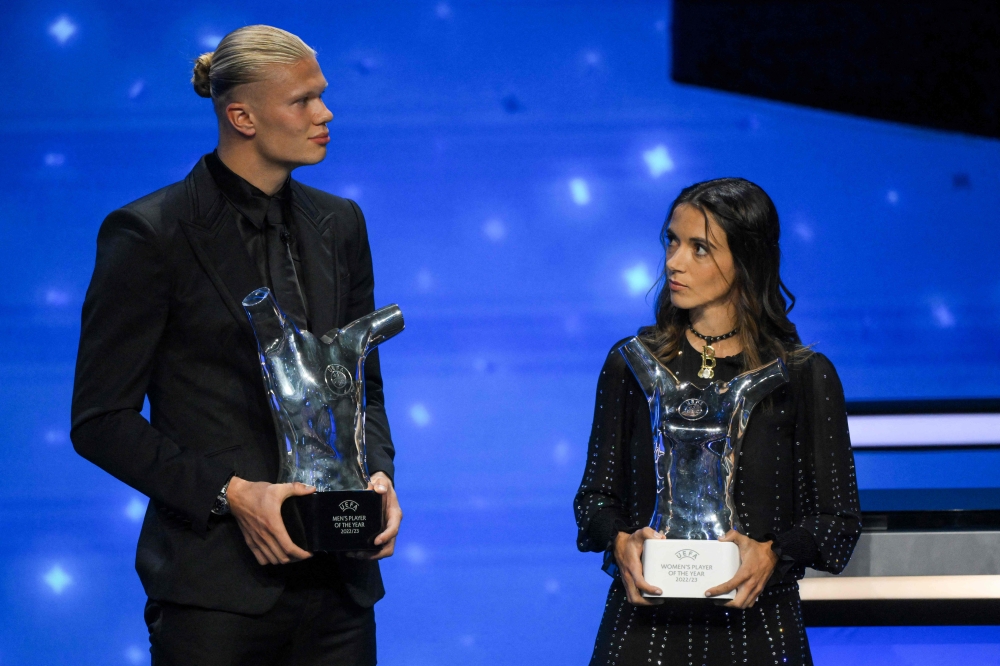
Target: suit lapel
(210, 228)
(316, 243)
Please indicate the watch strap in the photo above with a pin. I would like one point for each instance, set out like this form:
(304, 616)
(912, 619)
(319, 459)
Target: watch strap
(221, 505)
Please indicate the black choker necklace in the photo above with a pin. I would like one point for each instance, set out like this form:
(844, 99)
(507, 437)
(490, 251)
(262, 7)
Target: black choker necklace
(709, 339)
(707, 370)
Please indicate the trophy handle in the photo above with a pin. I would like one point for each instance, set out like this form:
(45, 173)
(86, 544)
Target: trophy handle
(358, 338)
(369, 331)
(749, 388)
(653, 377)
(266, 317)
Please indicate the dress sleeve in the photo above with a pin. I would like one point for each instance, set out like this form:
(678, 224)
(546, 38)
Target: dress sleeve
(601, 504)
(827, 513)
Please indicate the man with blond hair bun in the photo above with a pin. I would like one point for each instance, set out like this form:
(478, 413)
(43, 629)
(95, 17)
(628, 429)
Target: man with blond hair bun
(162, 319)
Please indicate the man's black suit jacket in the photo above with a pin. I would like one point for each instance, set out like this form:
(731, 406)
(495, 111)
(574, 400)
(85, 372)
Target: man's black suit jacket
(163, 318)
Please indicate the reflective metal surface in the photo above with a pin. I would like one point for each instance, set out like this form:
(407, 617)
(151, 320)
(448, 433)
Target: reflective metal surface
(316, 389)
(697, 434)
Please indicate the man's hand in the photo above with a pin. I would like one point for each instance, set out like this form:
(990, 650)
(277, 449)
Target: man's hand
(256, 505)
(628, 555)
(382, 484)
(757, 561)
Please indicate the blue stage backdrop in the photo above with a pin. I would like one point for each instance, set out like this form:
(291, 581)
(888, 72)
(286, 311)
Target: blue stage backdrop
(515, 162)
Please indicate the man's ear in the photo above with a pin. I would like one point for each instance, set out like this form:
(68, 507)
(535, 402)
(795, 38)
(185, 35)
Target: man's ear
(238, 116)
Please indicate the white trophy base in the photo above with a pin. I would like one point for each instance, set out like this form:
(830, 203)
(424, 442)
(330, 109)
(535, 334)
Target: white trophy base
(687, 568)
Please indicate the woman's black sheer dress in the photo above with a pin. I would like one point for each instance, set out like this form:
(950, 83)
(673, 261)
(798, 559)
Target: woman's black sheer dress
(795, 486)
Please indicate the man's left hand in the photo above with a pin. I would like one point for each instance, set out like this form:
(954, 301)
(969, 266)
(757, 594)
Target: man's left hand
(386, 541)
(757, 562)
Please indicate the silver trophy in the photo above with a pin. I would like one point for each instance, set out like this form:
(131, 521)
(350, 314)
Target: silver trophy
(316, 390)
(697, 435)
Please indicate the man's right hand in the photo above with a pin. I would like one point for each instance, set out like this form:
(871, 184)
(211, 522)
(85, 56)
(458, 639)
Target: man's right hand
(256, 505)
(628, 555)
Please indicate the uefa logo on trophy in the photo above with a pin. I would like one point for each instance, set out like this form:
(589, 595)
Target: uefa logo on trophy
(316, 391)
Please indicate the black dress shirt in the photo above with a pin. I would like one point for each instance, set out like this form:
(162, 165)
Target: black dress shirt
(254, 211)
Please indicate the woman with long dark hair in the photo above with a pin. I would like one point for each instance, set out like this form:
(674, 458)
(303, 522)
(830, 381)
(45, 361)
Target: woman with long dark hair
(795, 490)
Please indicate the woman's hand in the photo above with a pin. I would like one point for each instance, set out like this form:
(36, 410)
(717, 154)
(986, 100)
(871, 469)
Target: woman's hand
(757, 562)
(628, 555)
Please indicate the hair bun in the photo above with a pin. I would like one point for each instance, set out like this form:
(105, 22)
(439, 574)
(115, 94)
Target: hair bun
(201, 81)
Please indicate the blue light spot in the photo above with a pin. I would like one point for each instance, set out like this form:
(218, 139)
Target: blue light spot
(943, 316)
(210, 41)
(62, 29)
(135, 509)
(135, 654)
(561, 452)
(55, 436)
(639, 279)
(495, 230)
(136, 89)
(425, 280)
(414, 553)
(658, 160)
(420, 415)
(579, 191)
(57, 297)
(57, 579)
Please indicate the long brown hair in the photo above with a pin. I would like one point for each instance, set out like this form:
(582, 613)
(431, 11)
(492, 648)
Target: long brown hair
(749, 219)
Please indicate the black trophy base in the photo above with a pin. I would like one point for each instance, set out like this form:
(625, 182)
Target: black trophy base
(334, 521)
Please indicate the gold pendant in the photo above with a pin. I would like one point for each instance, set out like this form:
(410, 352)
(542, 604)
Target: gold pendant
(707, 362)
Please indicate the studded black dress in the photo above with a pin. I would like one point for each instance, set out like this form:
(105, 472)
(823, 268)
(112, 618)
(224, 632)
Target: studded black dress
(795, 486)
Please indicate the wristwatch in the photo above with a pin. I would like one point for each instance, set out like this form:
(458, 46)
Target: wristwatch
(221, 506)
